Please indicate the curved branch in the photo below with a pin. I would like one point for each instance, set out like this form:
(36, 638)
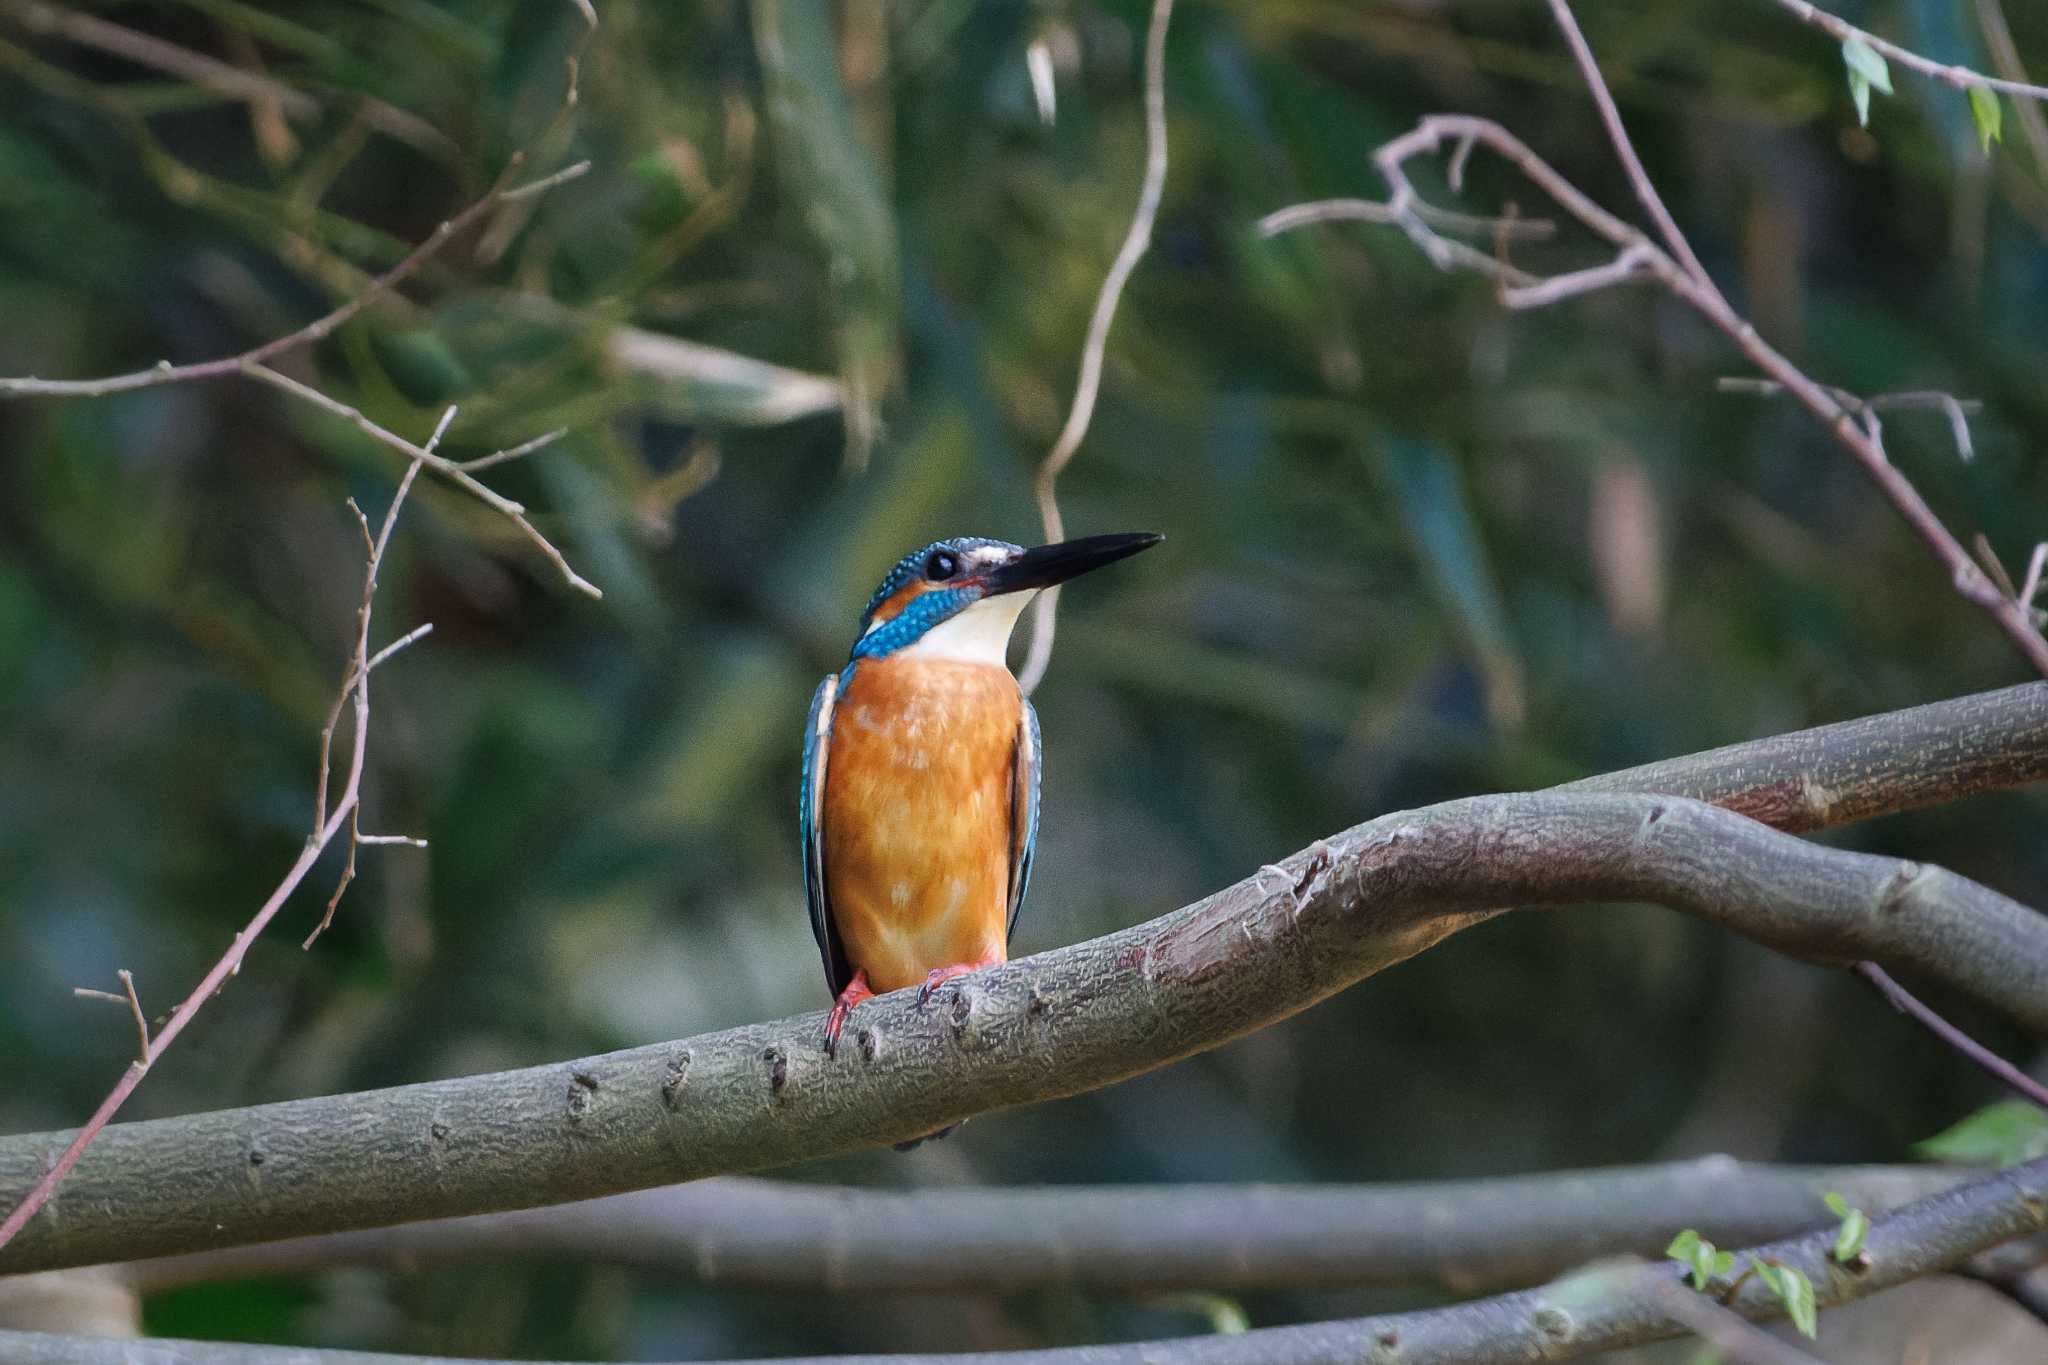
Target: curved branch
(1137, 241)
(1602, 1308)
(1856, 769)
(1472, 1236)
(1038, 1028)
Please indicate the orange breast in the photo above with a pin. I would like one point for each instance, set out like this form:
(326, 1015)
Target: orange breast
(917, 816)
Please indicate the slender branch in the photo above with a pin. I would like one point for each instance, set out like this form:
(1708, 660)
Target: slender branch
(326, 825)
(1864, 443)
(455, 471)
(1957, 410)
(133, 1001)
(1471, 1236)
(1136, 242)
(1038, 1028)
(1617, 135)
(1601, 1309)
(1961, 77)
(253, 363)
(1906, 1003)
(1370, 211)
(211, 73)
(163, 372)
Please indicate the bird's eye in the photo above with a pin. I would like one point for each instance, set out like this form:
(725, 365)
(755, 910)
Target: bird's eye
(941, 566)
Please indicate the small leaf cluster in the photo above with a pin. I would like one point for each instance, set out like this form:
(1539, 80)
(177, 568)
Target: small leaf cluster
(1708, 1264)
(1703, 1258)
(1869, 71)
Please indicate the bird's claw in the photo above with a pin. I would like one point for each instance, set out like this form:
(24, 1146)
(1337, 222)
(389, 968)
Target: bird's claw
(835, 1022)
(939, 976)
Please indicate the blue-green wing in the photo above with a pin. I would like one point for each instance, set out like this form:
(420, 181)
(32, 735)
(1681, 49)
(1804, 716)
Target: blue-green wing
(1023, 812)
(811, 821)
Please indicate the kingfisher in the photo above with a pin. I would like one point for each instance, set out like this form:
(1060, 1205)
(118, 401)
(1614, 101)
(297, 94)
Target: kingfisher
(919, 807)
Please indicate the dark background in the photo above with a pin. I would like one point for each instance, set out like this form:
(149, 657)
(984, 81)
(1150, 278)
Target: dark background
(1417, 548)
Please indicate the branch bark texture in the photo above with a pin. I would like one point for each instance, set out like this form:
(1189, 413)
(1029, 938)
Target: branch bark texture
(1472, 1236)
(1603, 1308)
(1056, 1024)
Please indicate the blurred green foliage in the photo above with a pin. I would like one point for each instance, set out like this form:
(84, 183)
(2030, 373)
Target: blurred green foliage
(1417, 548)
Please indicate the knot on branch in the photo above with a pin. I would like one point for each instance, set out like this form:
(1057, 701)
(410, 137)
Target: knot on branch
(582, 1085)
(674, 1080)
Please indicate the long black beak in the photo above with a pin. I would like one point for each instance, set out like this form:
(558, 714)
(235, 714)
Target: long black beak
(1046, 565)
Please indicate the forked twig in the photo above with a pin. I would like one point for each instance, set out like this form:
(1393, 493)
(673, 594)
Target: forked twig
(127, 997)
(1957, 410)
(1089, 382)
(254, 363)
(327, 824)
(1855, 426)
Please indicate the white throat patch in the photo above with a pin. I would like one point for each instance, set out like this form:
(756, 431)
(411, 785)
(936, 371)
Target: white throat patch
(978, 635)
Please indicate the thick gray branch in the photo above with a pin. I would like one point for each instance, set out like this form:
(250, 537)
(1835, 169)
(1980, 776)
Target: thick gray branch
(1056, 1024)
(1855, 769)
(1472, 1236)
(1599, 1309)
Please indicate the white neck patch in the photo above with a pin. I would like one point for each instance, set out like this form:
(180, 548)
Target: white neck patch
(978, 635)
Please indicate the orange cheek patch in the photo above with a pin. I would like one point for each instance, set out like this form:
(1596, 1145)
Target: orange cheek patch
(893, 605)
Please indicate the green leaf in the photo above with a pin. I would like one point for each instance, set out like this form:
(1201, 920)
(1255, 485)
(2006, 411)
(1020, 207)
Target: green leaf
(1867, 68)
(1855, 1226)
(2002, 1134)
(1849, 1238)
(1795, 1291)
(1989, 115)
(1699, 1256)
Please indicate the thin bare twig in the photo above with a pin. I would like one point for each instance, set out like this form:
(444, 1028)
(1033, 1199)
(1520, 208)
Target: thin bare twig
(1957, 410)
(1086, 386)
(254, 364)
(362, 664)
(413, 636)
(1961, 77)
(163, 372)
(450, 469)
(1617, 134)
(129, 998)
(1369, 211)
(1906, 1003)
(1856, 428)
(211, 73)
(2032, 587)
(327, 824)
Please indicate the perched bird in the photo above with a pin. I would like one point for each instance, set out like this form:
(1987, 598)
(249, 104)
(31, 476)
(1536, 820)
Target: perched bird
(919, 807)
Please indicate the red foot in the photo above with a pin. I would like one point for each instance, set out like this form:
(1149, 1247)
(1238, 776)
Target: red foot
(855, 992)
(941, 975)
